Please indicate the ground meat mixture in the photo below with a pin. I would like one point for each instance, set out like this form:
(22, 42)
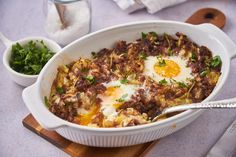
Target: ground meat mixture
(81, 88)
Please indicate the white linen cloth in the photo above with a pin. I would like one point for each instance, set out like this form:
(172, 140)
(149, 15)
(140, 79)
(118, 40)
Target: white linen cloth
(151, 5)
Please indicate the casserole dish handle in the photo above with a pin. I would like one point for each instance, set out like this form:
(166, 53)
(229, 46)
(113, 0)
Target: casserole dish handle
(40, 112)
(228, 43)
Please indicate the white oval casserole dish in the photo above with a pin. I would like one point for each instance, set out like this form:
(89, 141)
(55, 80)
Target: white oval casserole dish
(206, 34)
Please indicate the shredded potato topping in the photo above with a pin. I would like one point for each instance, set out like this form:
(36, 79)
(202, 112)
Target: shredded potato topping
(117, 88)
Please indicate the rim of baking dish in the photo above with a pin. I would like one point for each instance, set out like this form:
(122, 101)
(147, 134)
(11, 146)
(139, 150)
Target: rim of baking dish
(179, 117)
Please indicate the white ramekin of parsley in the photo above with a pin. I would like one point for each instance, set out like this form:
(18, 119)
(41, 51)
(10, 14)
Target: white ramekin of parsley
(25, 58)
(30, 58)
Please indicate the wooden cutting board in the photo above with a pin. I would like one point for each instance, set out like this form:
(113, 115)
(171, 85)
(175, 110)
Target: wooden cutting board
(206, 15)
(78, 150)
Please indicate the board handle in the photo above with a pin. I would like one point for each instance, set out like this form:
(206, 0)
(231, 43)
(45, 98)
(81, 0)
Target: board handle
(208, 15)
(40, 112)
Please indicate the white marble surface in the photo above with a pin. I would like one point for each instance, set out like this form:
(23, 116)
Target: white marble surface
(22, 18)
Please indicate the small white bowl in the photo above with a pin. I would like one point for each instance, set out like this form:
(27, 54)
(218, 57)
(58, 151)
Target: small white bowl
(19, 78)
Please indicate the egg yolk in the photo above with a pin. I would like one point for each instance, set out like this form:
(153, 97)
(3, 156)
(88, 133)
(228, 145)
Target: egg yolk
(111, 94)
(85, 119)
(117, 105)
(169, 69)
(112, 91)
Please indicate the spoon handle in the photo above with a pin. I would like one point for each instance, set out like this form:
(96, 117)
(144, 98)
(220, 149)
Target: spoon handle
(222, 104)
(61, 12)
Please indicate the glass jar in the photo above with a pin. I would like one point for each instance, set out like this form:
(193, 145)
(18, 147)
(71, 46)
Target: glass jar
(67, 20)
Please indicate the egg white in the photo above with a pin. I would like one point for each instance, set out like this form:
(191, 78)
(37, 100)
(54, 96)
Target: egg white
(183, 76)
(124, 91)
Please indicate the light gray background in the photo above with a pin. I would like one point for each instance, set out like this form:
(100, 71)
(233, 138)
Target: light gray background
(22, 18)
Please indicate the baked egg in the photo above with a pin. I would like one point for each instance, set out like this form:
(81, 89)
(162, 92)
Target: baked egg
(168, 68)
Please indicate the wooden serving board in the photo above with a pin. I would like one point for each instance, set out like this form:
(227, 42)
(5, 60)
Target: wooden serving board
(206, 15)
(78, 150)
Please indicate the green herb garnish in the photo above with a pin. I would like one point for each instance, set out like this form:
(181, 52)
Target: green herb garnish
(90, 79)
(60, 90)
(30, 58)
(204, 73)
(122, 99)
(124, 81)
(193, 57)
(182, 84)
(163, 82)
(154, 34)
(144, 35)
(94, 54)
(46, 101)
(142, 55)
(161, 62)
(216, 61)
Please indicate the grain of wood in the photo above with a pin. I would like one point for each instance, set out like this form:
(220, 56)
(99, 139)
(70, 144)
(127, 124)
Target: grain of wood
(78, 150)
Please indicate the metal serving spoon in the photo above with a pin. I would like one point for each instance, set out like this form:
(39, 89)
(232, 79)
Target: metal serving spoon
(221, 104)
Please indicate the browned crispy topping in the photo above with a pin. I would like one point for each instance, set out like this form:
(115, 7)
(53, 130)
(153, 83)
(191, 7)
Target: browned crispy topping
(75, 91)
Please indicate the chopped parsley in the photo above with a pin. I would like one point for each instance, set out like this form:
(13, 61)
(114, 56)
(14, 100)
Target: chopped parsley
(30, 58)
(94, 54)
(216, 61)
(193, 57)
(124, 81)
(204, 73)
(182, 84)
(60, 90)
(161, 62)
(163, 82)
(90, 79)
(144, 35)
(122, 99)
(142, 55)
(154, 34)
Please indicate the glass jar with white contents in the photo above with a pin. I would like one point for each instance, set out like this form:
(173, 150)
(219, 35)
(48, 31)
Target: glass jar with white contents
(67, 20)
